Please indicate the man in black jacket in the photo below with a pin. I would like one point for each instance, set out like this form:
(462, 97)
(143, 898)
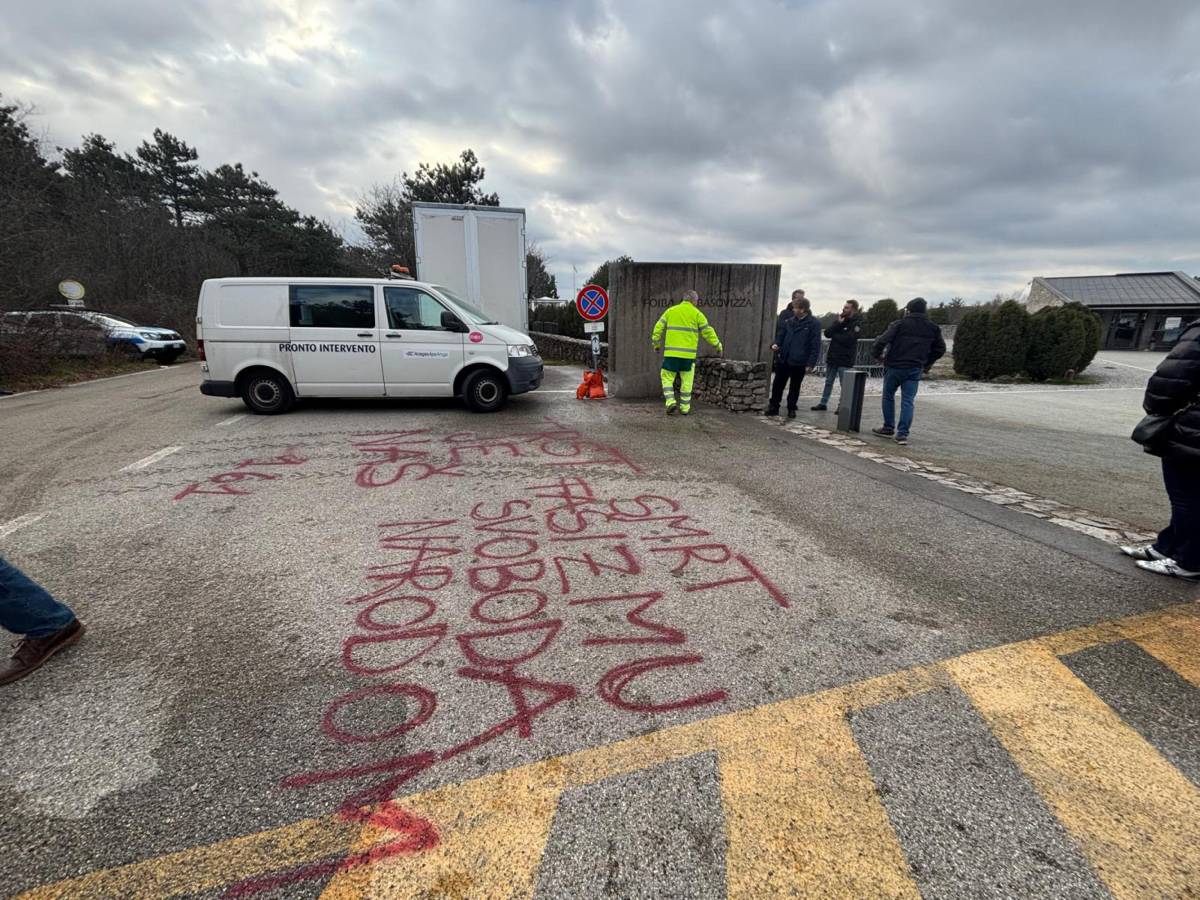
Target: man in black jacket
(912, 345)
(797, 347)
(1174, 390)
(843, 347)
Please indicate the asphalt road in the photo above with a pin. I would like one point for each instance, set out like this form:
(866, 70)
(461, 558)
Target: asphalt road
(572, 649)
(1068, 444)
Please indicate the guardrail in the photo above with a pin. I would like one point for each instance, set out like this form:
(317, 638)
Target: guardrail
(862, 357)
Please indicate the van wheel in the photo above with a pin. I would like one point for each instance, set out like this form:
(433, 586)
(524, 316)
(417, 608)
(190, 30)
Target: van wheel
(485, 391)
(267, 394)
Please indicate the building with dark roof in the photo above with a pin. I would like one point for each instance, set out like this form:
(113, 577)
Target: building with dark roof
(1141, 310)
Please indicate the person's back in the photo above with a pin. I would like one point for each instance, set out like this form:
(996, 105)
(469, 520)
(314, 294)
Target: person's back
(909, 347)
(677, 334)
(911, 342)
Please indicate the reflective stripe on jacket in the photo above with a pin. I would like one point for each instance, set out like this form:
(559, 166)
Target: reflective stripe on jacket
(678, 331)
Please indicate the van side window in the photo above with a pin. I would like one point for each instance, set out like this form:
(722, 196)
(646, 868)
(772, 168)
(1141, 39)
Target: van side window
(408, 308)
(331, 306)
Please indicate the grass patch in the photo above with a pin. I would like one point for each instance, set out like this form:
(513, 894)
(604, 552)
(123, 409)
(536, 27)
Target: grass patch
(72, 371)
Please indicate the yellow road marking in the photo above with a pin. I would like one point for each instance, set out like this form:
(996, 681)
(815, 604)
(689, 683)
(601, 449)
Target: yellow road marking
(1173, 641)
(207, 868)
(1133, 813)
(494, 829)
(802, 816)
(477, 818)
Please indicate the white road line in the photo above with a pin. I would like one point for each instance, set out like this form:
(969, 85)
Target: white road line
(19, 394)
(20, 522)
(115, 377)
(151, 459)
(231, 420)
(1113, 362)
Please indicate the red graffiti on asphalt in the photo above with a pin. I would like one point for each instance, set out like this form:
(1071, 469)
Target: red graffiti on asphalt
(387, 458)
(500, 600)
(241, 473)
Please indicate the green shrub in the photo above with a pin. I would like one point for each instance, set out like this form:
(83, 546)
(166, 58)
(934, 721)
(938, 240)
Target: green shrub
(1057, 339)
(1007, 340)
(1093, 327)
(881, 314)
(970, 343)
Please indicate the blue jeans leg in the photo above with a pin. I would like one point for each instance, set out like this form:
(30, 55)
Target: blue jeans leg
(26, 608)
(832, 374)
(908, 399)
(891, 381)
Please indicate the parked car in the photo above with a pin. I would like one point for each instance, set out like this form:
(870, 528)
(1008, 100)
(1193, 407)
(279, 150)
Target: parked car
(82, 332)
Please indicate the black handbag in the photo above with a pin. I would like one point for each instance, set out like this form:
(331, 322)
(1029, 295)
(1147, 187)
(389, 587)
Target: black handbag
(1153, 432)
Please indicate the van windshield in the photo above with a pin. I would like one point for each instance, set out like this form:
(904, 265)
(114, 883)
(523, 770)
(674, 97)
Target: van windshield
(474, 315)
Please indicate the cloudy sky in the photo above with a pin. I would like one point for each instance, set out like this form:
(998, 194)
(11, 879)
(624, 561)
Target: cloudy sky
(871, 147)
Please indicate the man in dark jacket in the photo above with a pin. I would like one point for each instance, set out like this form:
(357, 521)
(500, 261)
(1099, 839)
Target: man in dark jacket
(843, 347)
(1174, 390)
(912, 345)
(797, 347)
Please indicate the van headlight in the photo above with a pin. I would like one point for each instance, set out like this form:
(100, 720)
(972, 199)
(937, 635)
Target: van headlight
(517, 350)
(148, 334)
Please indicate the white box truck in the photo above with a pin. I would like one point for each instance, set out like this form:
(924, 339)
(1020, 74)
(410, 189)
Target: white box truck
(479, 253)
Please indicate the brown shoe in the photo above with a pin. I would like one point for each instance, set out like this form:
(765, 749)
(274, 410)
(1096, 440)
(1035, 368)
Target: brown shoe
(33, 652)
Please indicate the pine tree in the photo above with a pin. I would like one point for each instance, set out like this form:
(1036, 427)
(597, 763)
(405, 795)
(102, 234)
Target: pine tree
(881, 314)
(170, 164)
(1056, 343)
(1007, 340)
(970, 343)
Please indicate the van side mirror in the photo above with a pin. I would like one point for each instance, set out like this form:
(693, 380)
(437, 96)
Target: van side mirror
(451, 322)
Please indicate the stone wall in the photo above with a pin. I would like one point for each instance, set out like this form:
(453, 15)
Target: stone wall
(555, 346)
(734, 384)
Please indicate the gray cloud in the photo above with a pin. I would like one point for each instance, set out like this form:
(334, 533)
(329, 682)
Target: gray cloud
(945, 147)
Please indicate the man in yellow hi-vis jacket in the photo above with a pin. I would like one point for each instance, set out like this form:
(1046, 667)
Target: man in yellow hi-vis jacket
(677, 333)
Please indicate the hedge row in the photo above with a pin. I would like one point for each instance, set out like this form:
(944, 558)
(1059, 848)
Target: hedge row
(1056, 342)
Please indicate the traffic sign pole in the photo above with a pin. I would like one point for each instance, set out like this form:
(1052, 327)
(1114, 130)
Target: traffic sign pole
(592, 304)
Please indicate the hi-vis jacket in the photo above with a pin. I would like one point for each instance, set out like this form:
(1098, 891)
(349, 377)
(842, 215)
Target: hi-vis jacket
(678, 331)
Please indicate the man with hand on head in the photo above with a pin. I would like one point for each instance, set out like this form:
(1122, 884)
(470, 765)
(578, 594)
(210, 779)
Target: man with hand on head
(843, 347)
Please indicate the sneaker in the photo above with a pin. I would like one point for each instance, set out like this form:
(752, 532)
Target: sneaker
(791, 414)
(1167, 567)
(820, 407)
(884, 431)
(772, 411)
(902, 440)
(33, 652)
(1147, 553)
(672, 409)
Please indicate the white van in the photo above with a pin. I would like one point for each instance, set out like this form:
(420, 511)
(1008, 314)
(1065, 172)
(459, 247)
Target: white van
(273, 340)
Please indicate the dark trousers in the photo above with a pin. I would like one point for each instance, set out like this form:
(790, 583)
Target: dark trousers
(783, 375)
(1180, 540)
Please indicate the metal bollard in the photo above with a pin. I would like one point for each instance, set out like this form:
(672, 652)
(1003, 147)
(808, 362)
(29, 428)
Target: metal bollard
(854, 387)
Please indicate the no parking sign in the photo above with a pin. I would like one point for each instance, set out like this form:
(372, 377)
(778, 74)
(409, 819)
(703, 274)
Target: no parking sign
(592, 302)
